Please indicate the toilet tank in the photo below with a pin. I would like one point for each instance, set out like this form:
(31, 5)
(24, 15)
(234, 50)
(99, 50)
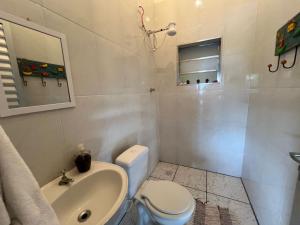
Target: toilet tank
(135, 162)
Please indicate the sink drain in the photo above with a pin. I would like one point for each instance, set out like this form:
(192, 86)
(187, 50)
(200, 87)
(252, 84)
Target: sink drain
(84, 215)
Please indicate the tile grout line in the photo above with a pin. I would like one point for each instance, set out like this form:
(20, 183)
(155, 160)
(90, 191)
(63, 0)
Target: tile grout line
(207, 192)
(206, 189)
(175, 173)
(203, 170)
(85, 27)
(207, 171)
(246, 203)
(250, 202)
(195, 189)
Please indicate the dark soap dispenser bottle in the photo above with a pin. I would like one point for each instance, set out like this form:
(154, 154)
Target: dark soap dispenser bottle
(83, 160)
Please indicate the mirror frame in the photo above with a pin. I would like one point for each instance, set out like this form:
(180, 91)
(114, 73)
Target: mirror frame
(4, 110)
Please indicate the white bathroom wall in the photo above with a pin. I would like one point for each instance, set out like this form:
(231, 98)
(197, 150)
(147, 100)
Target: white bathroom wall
(204, 127)
(273, 127)
(112, 72)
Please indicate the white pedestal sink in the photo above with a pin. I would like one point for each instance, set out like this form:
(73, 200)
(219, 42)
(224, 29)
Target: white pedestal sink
(93, 198)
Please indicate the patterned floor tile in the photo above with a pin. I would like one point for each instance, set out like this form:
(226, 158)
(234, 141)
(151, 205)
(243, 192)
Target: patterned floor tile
(190, 177)
(200, 195)
(226, 186)
(164, 171)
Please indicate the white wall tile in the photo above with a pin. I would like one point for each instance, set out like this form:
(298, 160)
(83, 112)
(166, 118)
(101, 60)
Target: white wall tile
(83, 54)
(77, 11)
(148, 134)
(269, 173)
(24, 9)
(107, 125)
(210, 122)
(37, 138)
(114, 108)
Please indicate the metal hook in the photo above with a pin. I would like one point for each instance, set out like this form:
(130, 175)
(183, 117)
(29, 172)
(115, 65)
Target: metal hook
(59, 84)
(270, 66)
(283, 62)
(44, 83)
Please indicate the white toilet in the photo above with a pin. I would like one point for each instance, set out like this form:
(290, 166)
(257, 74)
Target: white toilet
(159, 202)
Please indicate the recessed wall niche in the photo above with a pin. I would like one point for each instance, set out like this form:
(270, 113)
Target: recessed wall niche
(199, 62)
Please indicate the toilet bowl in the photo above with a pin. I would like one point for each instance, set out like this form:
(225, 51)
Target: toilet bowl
(159, 202)
(164, 202)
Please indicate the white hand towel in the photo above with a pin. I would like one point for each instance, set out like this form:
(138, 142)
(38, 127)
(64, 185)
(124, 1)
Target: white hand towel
(21, 201)
(4, 217)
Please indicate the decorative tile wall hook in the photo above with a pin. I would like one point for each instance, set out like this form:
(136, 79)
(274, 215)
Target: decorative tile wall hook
(283, 62)
(44, 83)
(270, 66)
(287, 38)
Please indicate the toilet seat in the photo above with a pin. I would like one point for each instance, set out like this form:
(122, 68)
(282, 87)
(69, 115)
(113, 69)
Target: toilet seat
(167, 202)
(166, 197)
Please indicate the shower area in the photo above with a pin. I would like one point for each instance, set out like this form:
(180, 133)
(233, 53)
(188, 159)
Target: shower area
(246, 121)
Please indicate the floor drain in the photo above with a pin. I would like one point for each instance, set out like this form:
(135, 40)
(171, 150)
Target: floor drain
(84, 216)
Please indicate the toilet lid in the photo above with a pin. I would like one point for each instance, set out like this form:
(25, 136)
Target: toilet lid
(167, 197)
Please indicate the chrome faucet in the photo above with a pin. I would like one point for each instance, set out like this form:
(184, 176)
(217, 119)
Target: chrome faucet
(64, 179)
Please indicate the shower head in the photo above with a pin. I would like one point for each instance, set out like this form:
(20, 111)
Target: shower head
(171, 29)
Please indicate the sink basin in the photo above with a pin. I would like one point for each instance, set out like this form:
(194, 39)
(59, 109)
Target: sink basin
(92, 199)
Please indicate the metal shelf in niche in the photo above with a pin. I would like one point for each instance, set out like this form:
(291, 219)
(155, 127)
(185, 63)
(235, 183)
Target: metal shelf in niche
(201, 58)
(199, 71)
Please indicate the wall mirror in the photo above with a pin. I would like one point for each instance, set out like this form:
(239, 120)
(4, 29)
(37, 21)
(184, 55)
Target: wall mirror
(34, 68)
